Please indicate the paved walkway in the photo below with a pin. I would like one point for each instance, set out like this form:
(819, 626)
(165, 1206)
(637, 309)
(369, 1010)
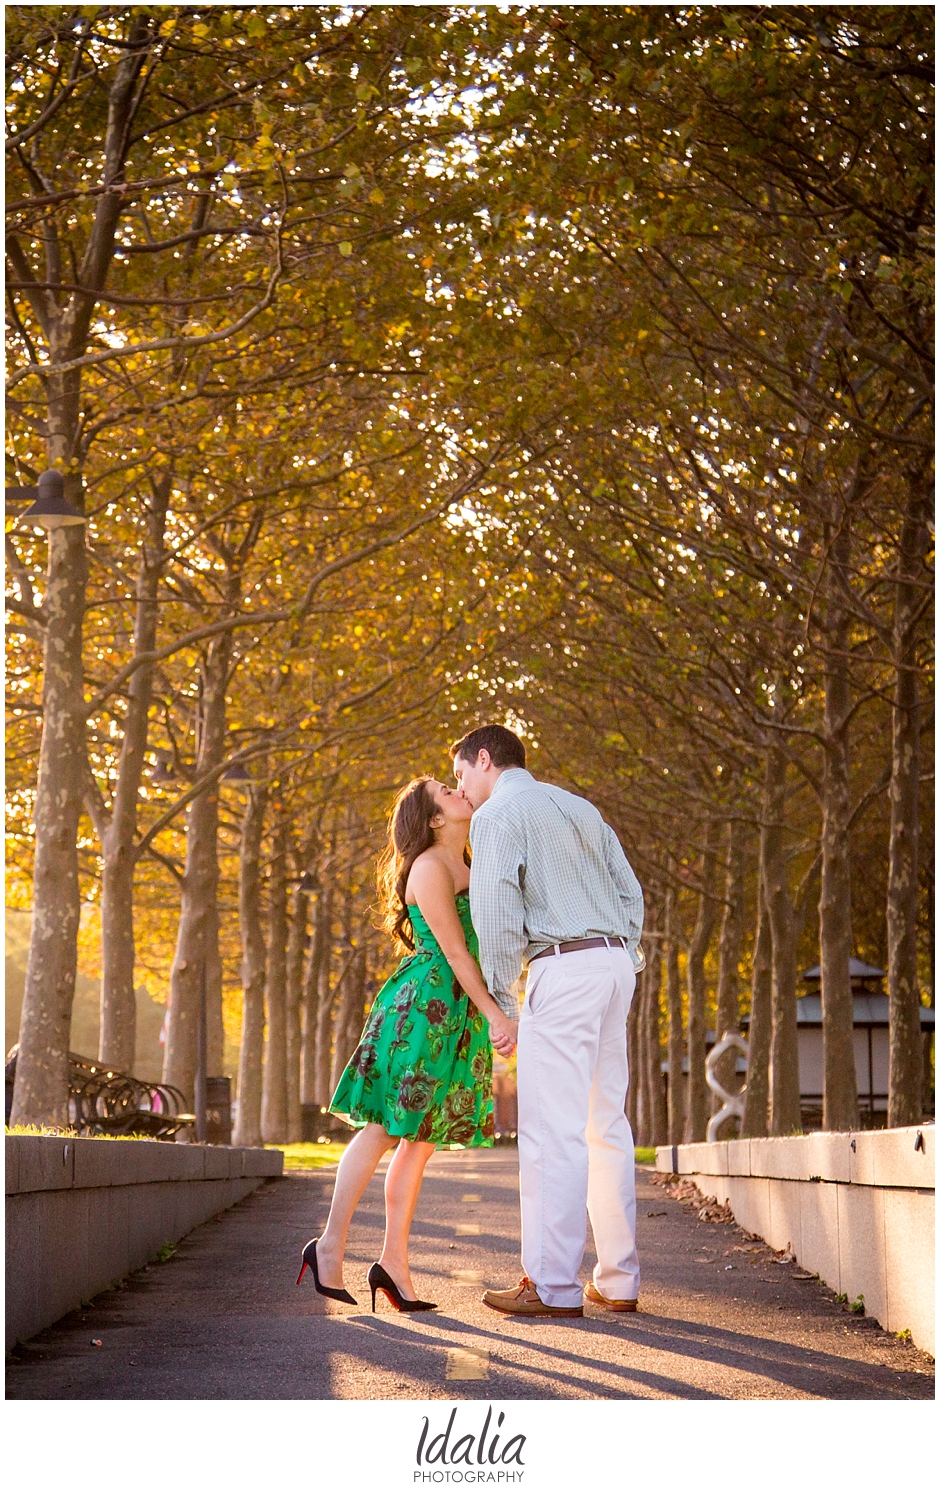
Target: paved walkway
(223, 1319)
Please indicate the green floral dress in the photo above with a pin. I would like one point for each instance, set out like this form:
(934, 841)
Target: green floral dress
(424, 1066)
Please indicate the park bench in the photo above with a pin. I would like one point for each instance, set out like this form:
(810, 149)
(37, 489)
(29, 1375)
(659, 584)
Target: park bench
(104, 1100)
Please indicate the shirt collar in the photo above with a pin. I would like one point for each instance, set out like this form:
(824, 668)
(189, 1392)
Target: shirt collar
(511, 779)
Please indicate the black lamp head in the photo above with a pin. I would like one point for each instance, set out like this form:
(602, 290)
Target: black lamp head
(237, 777)
(162, 770)
(49, 509)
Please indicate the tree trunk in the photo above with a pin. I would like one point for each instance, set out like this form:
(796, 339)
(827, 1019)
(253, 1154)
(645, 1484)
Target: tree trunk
(198, 917)
(248, 1118)
(215, 1028)
(840, 1091)
(785, 1116)
(41, 1089)
(117, 1035)
(697, 1088)
(727, 1008)
(756, 1101)
(274, 1094)
(117, 1032)
(906, 1067)
(296, 953)
(357, 1017)
(313, 981)
(349, 1015)
(40, 1094)
(329, 987)
(325, 1032)
(330, 1052)
(674, 1006)
(654, 1086)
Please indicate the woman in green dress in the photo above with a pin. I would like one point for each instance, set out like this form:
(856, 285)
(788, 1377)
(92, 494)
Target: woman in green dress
(421, 1075)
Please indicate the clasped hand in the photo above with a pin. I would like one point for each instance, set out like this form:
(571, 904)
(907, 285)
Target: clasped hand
(503, 1035)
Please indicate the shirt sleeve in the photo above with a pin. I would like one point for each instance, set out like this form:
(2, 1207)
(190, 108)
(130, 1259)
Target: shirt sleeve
(497, 910)
(628, 889)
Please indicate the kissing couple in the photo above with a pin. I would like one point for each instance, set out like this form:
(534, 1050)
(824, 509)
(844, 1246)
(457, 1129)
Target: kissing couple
(549, 888)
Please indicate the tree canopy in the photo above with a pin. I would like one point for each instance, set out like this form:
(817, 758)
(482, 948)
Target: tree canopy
(567, 365)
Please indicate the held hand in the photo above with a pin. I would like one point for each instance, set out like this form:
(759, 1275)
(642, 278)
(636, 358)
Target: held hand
(503, 1034)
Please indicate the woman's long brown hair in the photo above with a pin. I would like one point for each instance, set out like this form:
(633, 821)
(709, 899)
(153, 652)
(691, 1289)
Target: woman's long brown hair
(409, 833)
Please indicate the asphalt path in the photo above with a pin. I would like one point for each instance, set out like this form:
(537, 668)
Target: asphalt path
(719, 1316)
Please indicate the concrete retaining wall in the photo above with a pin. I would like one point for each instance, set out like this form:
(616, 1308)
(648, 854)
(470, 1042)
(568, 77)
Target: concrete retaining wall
(857, 1209)
(82, 1213)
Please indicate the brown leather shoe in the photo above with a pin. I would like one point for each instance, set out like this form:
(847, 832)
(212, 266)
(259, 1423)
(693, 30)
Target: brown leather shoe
(596, 1298)
(524, 1300)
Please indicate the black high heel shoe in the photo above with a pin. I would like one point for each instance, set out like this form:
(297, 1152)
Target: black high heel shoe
(308, 1259)
(379, 1279)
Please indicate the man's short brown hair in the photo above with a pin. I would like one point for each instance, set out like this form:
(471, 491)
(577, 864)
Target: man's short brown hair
(506, 750)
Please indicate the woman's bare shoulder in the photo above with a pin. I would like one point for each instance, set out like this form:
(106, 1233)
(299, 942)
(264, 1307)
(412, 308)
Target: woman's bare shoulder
(429, 871)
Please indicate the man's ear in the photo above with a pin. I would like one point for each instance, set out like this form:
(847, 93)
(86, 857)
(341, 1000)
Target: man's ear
(484, 760)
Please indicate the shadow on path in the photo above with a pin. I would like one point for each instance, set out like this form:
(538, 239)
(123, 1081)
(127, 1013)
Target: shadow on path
(224, 1318)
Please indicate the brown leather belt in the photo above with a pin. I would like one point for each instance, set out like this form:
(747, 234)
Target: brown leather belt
(612, 941)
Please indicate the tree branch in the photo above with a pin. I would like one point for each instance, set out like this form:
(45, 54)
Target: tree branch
(144, 347)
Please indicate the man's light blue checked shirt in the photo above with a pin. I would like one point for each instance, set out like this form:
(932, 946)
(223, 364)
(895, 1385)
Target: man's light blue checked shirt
(546, 868)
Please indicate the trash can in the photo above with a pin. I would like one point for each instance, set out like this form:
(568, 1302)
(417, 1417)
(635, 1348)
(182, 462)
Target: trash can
(218, 1111)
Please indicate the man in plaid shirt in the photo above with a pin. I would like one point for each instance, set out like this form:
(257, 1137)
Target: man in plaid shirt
(551, 888)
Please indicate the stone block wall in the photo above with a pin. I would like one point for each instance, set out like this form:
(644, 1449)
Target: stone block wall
(856, 1208)
(83, 1213)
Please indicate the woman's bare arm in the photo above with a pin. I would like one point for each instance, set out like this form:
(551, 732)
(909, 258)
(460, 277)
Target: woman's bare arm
(433, 888)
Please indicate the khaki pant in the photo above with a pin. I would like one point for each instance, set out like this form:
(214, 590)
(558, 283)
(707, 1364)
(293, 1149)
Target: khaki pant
(575, 1144)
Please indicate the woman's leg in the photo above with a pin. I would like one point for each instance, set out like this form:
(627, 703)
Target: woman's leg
(402, 1184)
(355, 1171)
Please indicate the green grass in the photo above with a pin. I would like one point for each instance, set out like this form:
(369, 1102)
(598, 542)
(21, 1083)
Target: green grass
(34, 1129)
(71, 1134)
(310, 1156)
